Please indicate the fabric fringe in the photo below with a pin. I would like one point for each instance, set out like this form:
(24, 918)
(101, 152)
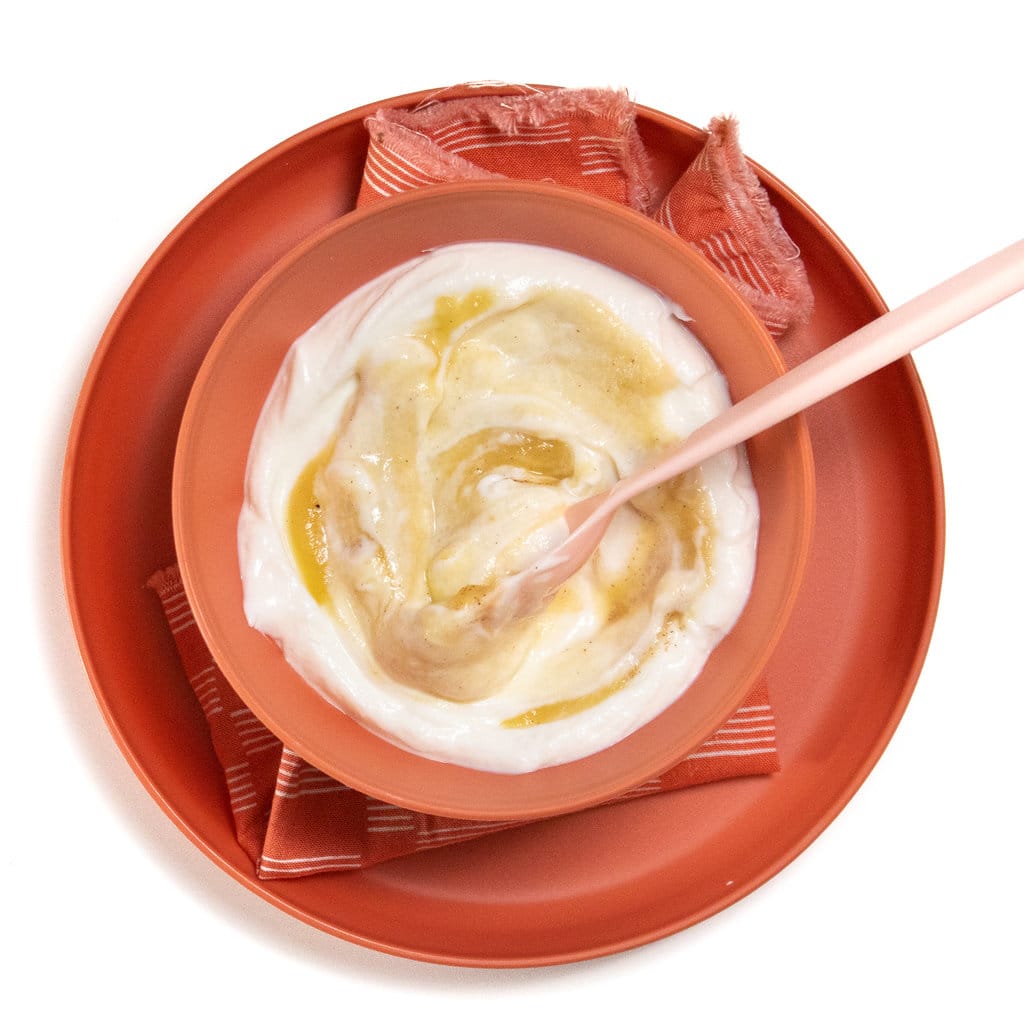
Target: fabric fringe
(756, 219)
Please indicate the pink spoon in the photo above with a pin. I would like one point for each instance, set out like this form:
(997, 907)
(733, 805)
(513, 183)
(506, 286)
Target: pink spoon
(860, 354)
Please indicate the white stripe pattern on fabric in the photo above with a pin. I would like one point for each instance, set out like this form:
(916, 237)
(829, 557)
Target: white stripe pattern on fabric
(312, 859)
(178, 617)
(474, 828)
(203, 690)
(382, 184)
(172, 610)
(502, 142)
(296, 779)
(394, 814)
(746, 741)
(249, 728)
(241, 791)
(387, 181)
(255, 746)
(721, 248)
(173, 618)
(757, 275)
(653, 786)
(399, 168)
(300, 791)
(272, 872)
(299, 865)
(463, 131)
(664, 217)
(454, 129)
(208, 695)
(379, 191)
(175, 599)
(389, 158)
(701, 754)
(599, 155)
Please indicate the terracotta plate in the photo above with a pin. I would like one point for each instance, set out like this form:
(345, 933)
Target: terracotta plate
(586, 884)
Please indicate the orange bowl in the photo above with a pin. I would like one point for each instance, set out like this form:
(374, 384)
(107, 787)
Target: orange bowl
(225, 404)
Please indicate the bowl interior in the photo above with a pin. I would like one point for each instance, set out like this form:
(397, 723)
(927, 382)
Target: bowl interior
(225, 404)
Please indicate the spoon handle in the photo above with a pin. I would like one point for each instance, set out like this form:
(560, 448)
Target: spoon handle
(878, 343)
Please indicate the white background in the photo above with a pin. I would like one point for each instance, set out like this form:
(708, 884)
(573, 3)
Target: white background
(903, 131)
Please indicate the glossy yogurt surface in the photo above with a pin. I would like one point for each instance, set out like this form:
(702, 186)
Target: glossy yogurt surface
(415, 445)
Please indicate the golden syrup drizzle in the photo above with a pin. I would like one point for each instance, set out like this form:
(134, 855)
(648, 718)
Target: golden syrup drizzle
(695, 518)
(451, 312)
(307, 534)
(542, 460)
(557, 710)
(686, 506)
(472, 593)
(620, 380)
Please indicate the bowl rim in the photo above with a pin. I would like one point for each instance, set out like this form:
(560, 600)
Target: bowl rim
(438, 803)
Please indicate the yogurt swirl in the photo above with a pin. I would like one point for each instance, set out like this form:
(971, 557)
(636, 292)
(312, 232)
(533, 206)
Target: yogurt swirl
(414, 446)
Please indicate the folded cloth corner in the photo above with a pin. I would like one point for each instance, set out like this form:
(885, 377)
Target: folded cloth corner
(721, 208)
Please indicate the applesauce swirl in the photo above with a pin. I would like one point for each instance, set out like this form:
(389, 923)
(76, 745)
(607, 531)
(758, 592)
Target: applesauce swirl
(418, 446)
(461, 440)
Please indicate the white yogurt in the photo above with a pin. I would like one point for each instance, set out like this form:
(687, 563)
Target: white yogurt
(413, 443)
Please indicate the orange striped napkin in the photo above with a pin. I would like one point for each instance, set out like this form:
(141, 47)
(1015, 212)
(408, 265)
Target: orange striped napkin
(588, 139)
(293, 820)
